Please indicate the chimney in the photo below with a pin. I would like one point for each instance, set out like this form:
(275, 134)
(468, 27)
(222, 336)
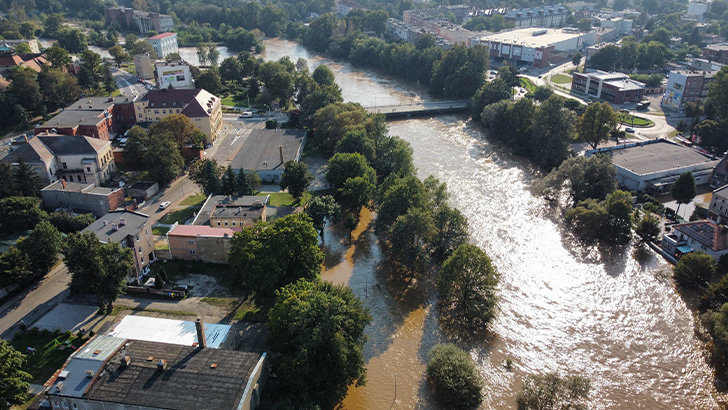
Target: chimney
(122, 221)
(162, 365)
(201, 342)
(125, 361)
(280, 149)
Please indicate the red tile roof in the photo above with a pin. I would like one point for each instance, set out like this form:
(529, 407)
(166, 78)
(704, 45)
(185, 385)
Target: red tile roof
(199, 230)
(161, 36)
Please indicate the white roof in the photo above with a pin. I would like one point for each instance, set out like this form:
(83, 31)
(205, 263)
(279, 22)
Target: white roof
(178, 332)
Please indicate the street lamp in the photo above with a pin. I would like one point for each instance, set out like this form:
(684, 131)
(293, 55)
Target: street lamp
(268, 109)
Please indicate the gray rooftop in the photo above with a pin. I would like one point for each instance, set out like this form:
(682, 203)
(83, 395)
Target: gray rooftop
(88, 188)
(662, 155)
(109, 228)
(73, 377)
(247, 202)
(261, 150)
(194, 378)
(238, 211)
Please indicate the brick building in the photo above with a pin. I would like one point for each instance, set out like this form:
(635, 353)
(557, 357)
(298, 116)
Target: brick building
(716, 52)
(616, 88)
(686, 86)
(97, 117)
(200, 243)
(82, 197)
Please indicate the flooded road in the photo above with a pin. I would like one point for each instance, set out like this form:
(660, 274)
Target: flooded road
(598, 313)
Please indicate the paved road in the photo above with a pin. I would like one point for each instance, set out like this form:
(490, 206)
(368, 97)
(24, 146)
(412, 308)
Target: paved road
(128, 83)
(21, 305)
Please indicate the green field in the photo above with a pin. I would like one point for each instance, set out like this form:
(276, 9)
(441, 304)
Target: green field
(160, 230)
(181, 215)
(628, 119)
(527, 84)
(48, 357)
(561, 79)
(196, 199)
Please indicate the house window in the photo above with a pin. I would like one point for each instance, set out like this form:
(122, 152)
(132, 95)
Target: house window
(88, 169)
(233, 223)
(226, 224)
(70, 178)
(164, 111)
(192, 252)
(65, 166)
(191, 242)
(65, 405)
(137, 237)
(74, 406)
(140, 249)
(218, 223)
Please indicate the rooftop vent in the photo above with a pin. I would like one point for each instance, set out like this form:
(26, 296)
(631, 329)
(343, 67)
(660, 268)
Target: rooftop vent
(162, 365)
(115, 227)
(63, 374)
(59, 386)
(122, 221)
(125, 361)
(90, 373)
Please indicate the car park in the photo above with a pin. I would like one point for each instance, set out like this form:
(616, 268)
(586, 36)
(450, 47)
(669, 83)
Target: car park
(164, 205)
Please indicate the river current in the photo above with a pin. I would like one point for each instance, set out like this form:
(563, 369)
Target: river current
(607, 315)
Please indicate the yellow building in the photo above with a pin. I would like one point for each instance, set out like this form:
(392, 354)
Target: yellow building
(201, 107)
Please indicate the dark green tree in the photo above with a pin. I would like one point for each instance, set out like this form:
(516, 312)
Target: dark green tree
(396, 196)
(357, 142)
(24, 86)
(453, 377)
(96, 268)
(648, 227)
(588, 220)
(296, 178)
(42, 246)
(15, 381)
(357, 193)
(695, 269)
(343, 166)
(6, 174)
(467, 286)
(26, 180)
(246, 181)
(206, 174)
(542, 93)
(596, 123)
(581, 178)
(554, 392)
(209, 81)
(683, 190)
(272, 255)
(576, 59)
(227, 186)
(58, 57)
(552, 124)
(66, 222)
(321, 209)
(452, 231)
(619, 217)
(410, 238)
(163, 159)
(14, 267)
(20, 213)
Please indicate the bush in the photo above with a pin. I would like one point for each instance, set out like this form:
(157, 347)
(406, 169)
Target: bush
(34, 331)
(453, 377)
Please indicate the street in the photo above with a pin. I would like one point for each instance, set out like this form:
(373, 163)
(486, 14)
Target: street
(17, 308)
(128, 83)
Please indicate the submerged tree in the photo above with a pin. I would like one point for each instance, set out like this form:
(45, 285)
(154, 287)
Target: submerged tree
(454, 378)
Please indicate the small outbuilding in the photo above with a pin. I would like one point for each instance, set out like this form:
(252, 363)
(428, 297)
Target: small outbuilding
(265, 151)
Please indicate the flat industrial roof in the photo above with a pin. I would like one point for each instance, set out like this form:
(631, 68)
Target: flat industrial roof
(643, 159)
(261, 151)
(172, 331)
(524, 36)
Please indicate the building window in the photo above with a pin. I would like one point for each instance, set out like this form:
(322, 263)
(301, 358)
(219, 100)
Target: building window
(226, 224)
(137, 237)
(88, 169)
(233, 223)
(74, 406)
(65, 166)
(192, 251)
(65, 405)
(140, 249)
(191, 242)
(218, 223)
(70, 178)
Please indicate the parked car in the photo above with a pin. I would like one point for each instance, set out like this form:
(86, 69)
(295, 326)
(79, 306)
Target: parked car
(629, 129)
(164, 205)
(181, 287)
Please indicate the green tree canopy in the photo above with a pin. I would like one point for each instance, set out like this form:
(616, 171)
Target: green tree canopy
(552, 124)
(20, 213)
(96, 268)
(317, 334)
(15, 382)
(467, 286)
(321, 209)
(453, 377)
(596, 123)
(26, 180)
(42, 247)
(396, 196)
(581, 177)
(343, 166)
(296, 178)
(272, 255)
(206, 174)
(14, 267)
(695, 269)
(357, 193)
(648, 227)
(554, 392)
(683, 190)
(410, 237)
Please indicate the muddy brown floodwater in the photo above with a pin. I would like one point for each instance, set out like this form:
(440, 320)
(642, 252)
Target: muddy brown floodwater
(599, 313)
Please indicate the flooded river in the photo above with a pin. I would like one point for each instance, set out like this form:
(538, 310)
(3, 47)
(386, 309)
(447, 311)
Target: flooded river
(603, 315)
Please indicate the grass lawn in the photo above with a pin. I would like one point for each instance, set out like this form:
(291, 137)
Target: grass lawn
(196, 199)
(249, 311)
(282, 198)
(229, 100)
(160, 230)
(175, 268)
(638, 121)
(312, 150)
(176, 313)
(47, 357)
(561, 79)
(527, 84)
(180, 215)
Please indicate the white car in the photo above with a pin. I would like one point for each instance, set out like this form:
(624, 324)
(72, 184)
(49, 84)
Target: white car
(629, 129)
(164, 205)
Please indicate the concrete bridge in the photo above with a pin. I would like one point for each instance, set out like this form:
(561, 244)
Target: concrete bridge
(421, 109)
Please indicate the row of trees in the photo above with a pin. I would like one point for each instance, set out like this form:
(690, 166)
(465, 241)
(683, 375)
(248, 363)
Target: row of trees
(216, 180)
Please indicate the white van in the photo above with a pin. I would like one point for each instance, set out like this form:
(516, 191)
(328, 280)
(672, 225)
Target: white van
(246, 114)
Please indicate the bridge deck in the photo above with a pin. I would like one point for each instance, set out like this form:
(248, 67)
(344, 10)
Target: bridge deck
(423, 108)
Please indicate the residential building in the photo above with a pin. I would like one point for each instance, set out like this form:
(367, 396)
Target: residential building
(411, 34)
(266, 151)
(697, 9)
(124, 374)
(621, 25)
(235, 212)
(544, 16)
(82, 197)
(72, 158)
(716, 52)
(97, 117)
(201, 107)
(173, 74)
(343, 7)
(706, 236)
(200, 243)
(720, 174)
(686, 86)
(616, 88)
(143, 21)
(173, 331)
(435, 21)
(533, 46)
(130, 230)
(8, 60)
(718, 209)
(143, 66)
(164, 44)
(8, 46)
(653, 166)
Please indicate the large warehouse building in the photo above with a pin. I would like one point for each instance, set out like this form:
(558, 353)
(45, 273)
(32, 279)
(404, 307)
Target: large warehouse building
(532, 45)
(653, 166)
